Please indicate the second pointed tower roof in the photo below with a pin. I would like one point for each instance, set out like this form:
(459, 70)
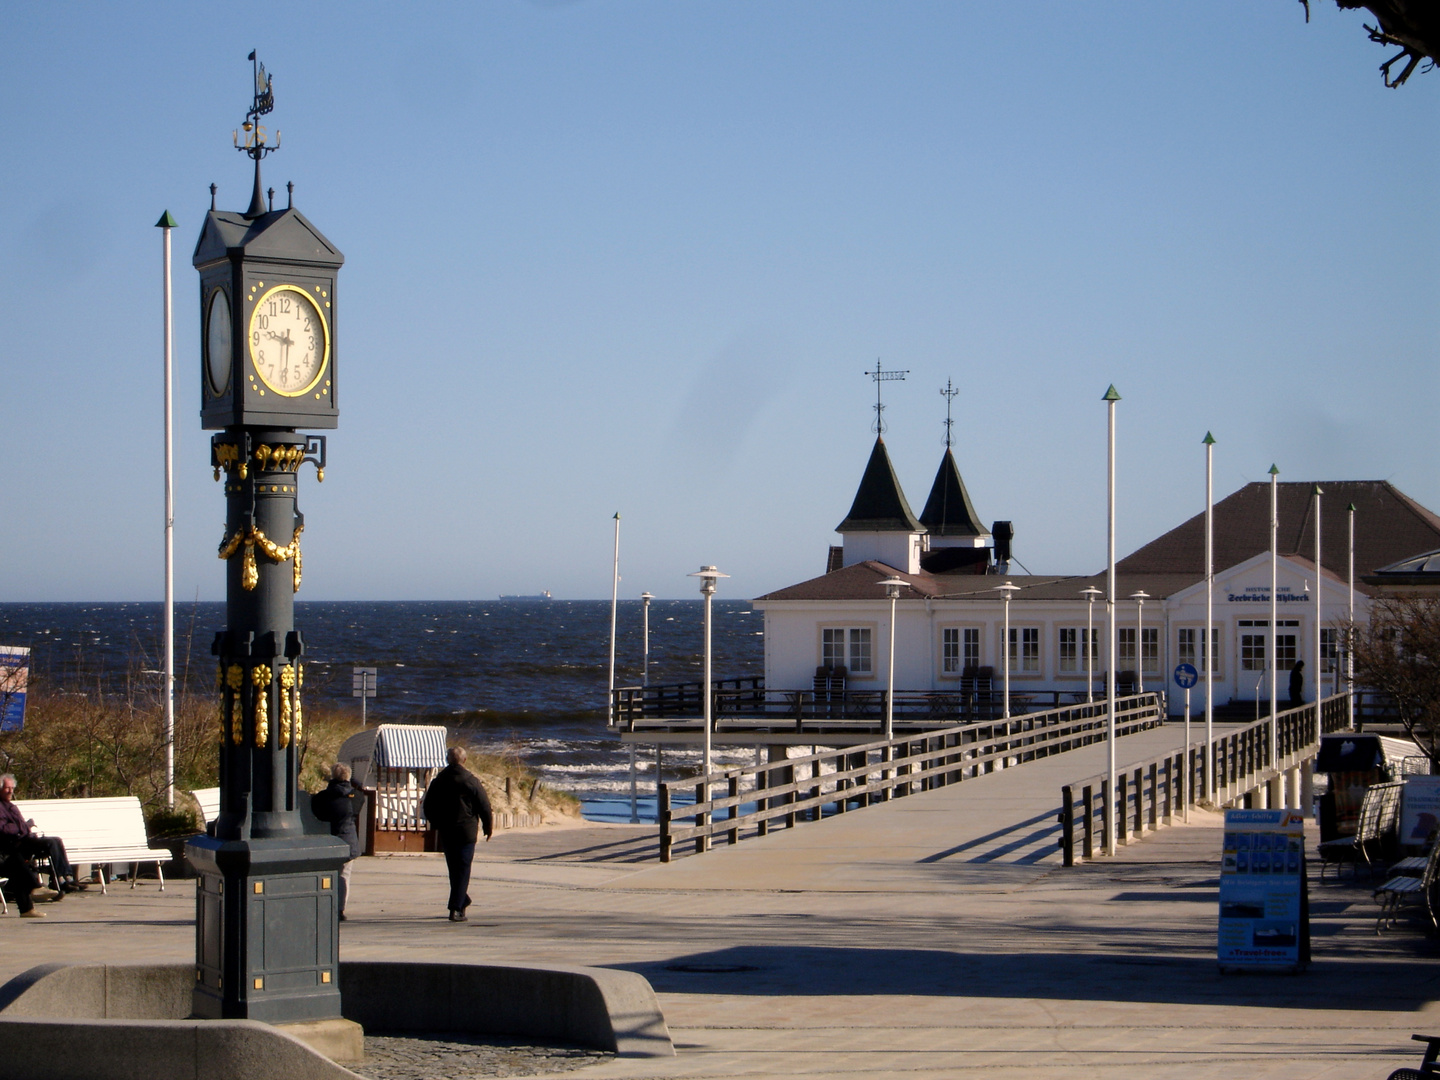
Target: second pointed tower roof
(880, 504)
(948, 511)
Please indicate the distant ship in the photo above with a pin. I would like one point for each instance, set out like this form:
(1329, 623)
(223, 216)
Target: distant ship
(537, 596)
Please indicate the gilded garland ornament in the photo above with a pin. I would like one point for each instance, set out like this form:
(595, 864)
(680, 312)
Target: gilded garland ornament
(252, 538)
(262, 677)
(287, 684)
(299, 682)
(235, 679)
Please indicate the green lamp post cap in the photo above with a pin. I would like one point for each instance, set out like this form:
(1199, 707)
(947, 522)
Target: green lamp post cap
(1112, 394)
(1274, 470)
(1209, 439)
(166, 221)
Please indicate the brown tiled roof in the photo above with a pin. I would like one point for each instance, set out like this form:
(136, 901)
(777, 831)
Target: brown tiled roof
(1389, 526)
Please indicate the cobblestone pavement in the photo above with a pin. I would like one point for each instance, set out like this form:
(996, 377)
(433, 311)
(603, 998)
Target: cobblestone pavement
(458, 1056)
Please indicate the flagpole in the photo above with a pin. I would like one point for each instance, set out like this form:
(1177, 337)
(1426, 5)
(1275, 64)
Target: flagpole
(1319, 609)
(614, 601)
(165, 224)
(1207, 650)
(1274, 657)
(1115, 810)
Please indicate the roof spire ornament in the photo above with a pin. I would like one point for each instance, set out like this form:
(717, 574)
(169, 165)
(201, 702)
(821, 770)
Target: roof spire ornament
(948, 394)
(880, 375)
(256, 144)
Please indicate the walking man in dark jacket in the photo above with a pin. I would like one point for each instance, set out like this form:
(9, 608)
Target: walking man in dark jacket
(457, 806)
(341, 805)
(1297, 683)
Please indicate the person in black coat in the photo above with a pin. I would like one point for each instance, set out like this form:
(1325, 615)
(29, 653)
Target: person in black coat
(1297, 683)
(341, 805)
(457, 806)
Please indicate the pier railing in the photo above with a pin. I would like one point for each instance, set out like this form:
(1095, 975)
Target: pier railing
(733, 804)
(747, 701)
(1155, 792)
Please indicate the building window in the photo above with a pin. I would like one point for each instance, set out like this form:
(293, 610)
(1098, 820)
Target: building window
(1070, 648)
(1192, 639)
(1150, 649)
(1025, 649)
(860, 651)
(950, 650)
(1252, 644)
(1125, 648)
(1329, 651)
(959, 649)
(848, 647)
(1285, 651)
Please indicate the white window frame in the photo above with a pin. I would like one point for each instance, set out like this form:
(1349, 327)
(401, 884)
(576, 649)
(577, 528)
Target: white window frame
(968, 650)
(854, 635)
(1186, 654)
(1026, 655)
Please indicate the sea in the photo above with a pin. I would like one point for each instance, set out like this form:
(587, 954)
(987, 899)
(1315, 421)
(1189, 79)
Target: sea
(526, 676)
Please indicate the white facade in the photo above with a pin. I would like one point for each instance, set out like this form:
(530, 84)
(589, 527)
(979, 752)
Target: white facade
(939, 636)
(898, 549)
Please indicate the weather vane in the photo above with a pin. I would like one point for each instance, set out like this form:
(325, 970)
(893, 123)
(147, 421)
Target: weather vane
(949, 394)
(880, 375)
(256, 144)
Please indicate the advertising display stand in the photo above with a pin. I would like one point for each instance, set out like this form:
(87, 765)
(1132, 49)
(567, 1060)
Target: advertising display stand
(1264, 893)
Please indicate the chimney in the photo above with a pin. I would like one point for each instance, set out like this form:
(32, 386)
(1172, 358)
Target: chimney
(1004, 533)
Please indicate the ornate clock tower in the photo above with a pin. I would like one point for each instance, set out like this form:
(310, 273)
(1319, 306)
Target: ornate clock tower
(267, 936)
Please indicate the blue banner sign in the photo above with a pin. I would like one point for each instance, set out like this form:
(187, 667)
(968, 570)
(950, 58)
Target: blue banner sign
(1186, 676)
(14, 680)
(1264, 917)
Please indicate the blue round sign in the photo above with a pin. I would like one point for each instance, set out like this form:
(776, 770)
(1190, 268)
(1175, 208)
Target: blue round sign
(1186, 676)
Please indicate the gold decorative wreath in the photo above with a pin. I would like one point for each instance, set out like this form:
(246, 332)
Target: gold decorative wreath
(252, 538)
(299, 682)
(262, 677)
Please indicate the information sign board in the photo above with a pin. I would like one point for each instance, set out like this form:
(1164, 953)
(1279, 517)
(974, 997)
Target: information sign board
(14, 680)
(1264, 910)
(1419, 810)
(1186, 676)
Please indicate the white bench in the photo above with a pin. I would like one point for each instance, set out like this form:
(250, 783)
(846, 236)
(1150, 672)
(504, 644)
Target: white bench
(97, 831)
(209, 802)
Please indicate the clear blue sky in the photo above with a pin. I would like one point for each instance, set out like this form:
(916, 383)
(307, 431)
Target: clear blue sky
(635, 256)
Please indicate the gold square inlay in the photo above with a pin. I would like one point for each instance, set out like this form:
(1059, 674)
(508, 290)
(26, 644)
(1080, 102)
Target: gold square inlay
(259, 887)
(259, 984)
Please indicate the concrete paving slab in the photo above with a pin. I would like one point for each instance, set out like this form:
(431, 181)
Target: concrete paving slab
(877, 944)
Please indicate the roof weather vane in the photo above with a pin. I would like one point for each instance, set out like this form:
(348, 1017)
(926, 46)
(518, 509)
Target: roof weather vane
(949, 394)
(256, 144)
(880, 375)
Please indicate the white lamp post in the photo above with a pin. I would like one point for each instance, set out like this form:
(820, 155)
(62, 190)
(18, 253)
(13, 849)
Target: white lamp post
(1350, 632)
(893, 585)
(1005, 591)
(165, 224)
(645, 598)
(708, 575)
(1090, 594)
(1140, 597)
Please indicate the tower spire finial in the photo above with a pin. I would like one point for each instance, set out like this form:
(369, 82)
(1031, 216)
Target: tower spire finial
(880, 375)
(948, 394)
(256, 144)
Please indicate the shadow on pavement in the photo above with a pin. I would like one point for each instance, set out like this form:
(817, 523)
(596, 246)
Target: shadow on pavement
(1366, 983)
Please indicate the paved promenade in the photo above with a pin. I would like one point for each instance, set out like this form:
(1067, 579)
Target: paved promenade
(933, 936)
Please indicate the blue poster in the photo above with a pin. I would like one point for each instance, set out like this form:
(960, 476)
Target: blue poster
(14, 679)
(1263, 916)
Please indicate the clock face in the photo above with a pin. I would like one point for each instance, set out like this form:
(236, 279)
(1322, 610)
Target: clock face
(218, 342)
(289, 340)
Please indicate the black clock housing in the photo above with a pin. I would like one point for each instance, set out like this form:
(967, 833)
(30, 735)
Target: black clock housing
(245, 257)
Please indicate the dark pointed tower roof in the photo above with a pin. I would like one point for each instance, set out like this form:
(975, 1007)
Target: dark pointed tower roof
(948, 511)
(880, 504)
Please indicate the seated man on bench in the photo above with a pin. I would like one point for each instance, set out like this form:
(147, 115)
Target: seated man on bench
(18, 843)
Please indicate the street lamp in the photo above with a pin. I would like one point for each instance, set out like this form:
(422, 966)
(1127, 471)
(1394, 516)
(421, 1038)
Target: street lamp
(645, 598)
(1006, 590)
(1113, 812)
(1090, 594)
(893, 585)
(1140, 597)
(708, 575)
